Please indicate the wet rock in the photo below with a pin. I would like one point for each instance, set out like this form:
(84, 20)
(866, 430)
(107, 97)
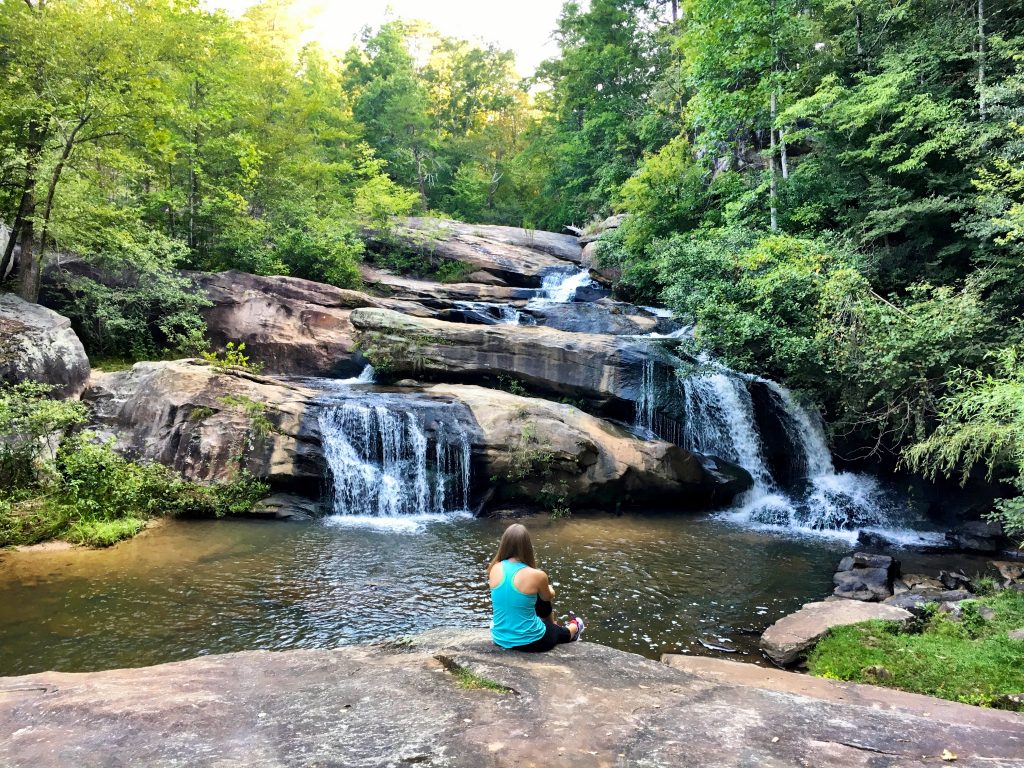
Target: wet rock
(286, 506)
(790, 638)
(863, 576)
(581, 458)
(600, 317)
(979, 536)
(398, 704)
(956, 580)
(916, 581)
(37, 344)
(494, 255)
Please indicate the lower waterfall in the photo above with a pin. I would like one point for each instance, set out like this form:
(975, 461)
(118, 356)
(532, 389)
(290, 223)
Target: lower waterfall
(385, 463)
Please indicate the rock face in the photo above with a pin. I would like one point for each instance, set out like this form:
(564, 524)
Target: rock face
(193, 418)
(604, 316)
(37, 344)
(292, 326)
(581, 705)
(411, 289)
(979, 536)
(536, 447)
(598, 368)
(788, 640)
(866, 577)
(503, 256)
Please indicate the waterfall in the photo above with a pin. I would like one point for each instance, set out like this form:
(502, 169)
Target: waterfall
(382, 463)
(644, 418)
(561, 286)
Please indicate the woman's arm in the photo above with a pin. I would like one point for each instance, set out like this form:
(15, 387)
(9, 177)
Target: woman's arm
(544, 589)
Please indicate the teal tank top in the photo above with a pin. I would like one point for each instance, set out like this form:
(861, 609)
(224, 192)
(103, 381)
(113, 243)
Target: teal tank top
(515, 621)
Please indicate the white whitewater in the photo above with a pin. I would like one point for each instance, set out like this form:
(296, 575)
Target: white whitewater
(385, 471)
(560, 287)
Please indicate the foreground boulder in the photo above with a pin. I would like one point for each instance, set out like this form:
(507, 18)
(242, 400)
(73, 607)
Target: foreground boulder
(209, 424)
(532, 449)
(596, 367)
(491, 255)
(291, 326)
(400, 704)
(37, 344)
(790, 638)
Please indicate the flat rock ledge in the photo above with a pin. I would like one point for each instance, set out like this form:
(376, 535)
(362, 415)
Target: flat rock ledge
(399, 704)
(788, 639)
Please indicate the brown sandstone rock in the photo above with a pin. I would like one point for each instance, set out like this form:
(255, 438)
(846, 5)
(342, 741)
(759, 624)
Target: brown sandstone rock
(599, 368)
(496, 255)
(788, 640)
(292, 326)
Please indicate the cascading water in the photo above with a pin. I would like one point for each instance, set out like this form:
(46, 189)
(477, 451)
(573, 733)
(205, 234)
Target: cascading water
(560, 287)
(383, 465)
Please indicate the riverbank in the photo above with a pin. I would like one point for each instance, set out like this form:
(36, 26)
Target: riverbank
(407, 703)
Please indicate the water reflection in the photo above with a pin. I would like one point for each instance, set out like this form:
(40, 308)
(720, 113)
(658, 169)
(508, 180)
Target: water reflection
(646, 584)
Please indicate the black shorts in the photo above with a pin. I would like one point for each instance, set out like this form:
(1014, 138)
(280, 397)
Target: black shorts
(553, 634)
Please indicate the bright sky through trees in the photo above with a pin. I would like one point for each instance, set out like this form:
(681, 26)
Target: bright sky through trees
(524, 27)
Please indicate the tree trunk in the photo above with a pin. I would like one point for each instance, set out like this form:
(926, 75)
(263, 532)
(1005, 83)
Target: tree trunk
(773, 179)
(5, 260)
(858, 22)
(675, 11)
(783, 156)
(981, 59)
(26, 281)
(51, 191)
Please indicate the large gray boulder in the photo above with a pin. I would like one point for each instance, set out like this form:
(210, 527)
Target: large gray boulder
(502, 256)
(37, 344)
(400, 703)
(790, 638)
(863, 576)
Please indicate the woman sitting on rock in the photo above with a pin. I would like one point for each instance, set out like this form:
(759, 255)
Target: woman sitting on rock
(521, 595)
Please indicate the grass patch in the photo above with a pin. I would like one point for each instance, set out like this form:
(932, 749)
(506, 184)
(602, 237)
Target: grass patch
(971, 660)
(469, 680)
(104, 533)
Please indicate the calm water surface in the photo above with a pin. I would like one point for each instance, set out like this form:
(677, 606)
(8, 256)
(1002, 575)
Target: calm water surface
(647, 584)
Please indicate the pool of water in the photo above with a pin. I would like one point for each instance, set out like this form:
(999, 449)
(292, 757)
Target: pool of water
(648, 584)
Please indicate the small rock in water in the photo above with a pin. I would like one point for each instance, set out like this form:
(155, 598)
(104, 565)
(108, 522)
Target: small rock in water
(867, 577)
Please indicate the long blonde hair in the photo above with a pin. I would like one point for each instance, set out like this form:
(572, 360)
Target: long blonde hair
(515, 542)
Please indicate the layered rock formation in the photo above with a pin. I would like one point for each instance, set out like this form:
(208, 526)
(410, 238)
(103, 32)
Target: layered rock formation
(598, 368)
(209, 423)
(37, 344)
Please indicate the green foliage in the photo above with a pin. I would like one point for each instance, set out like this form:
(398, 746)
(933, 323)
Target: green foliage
(971, 660)
(57, 482)
(981, 422)
(259, 425)
(233, 356)
(31, 427)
